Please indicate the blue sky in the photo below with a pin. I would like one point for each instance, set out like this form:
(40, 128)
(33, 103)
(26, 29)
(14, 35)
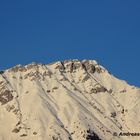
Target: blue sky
(51, 30)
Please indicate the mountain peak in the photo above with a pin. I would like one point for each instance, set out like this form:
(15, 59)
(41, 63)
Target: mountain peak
(72, 65)
(64, 66)
(66, 100)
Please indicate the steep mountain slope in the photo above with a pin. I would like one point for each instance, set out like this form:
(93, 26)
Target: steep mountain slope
(69, 100)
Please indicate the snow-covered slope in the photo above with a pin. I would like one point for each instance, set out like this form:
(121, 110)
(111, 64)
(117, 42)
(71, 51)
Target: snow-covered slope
(69, 100)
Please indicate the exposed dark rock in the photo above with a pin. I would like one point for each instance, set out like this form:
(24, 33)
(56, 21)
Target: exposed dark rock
(110, 91)
(33, 65)
(16, 68)
(5, 97)
(15, 111)
(76, 65)
(54, 138)
(123, 91)
(18, 123)
(34, 133)
(1, 82)
(98, 89)
(122, 111)
(49, 73)
(98, 69)
(9, 108)
(113, 114)
(88, 66)
(61, 67)
(27, 92)
(85, 78)
(91, 135)
(55, 88)
(22, 69)
(70, 138)
(72, 68)
(24, 135)
(1, 72)
(16, 130)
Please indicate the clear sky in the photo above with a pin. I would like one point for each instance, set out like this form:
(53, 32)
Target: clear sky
(51, 30)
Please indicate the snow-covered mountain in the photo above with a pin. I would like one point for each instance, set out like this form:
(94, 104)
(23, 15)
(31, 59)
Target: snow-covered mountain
(69, 100)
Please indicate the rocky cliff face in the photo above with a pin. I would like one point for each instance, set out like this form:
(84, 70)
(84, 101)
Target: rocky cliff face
(69, 100)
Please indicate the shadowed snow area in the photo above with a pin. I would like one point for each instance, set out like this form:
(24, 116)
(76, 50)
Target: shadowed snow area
(69, 100)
